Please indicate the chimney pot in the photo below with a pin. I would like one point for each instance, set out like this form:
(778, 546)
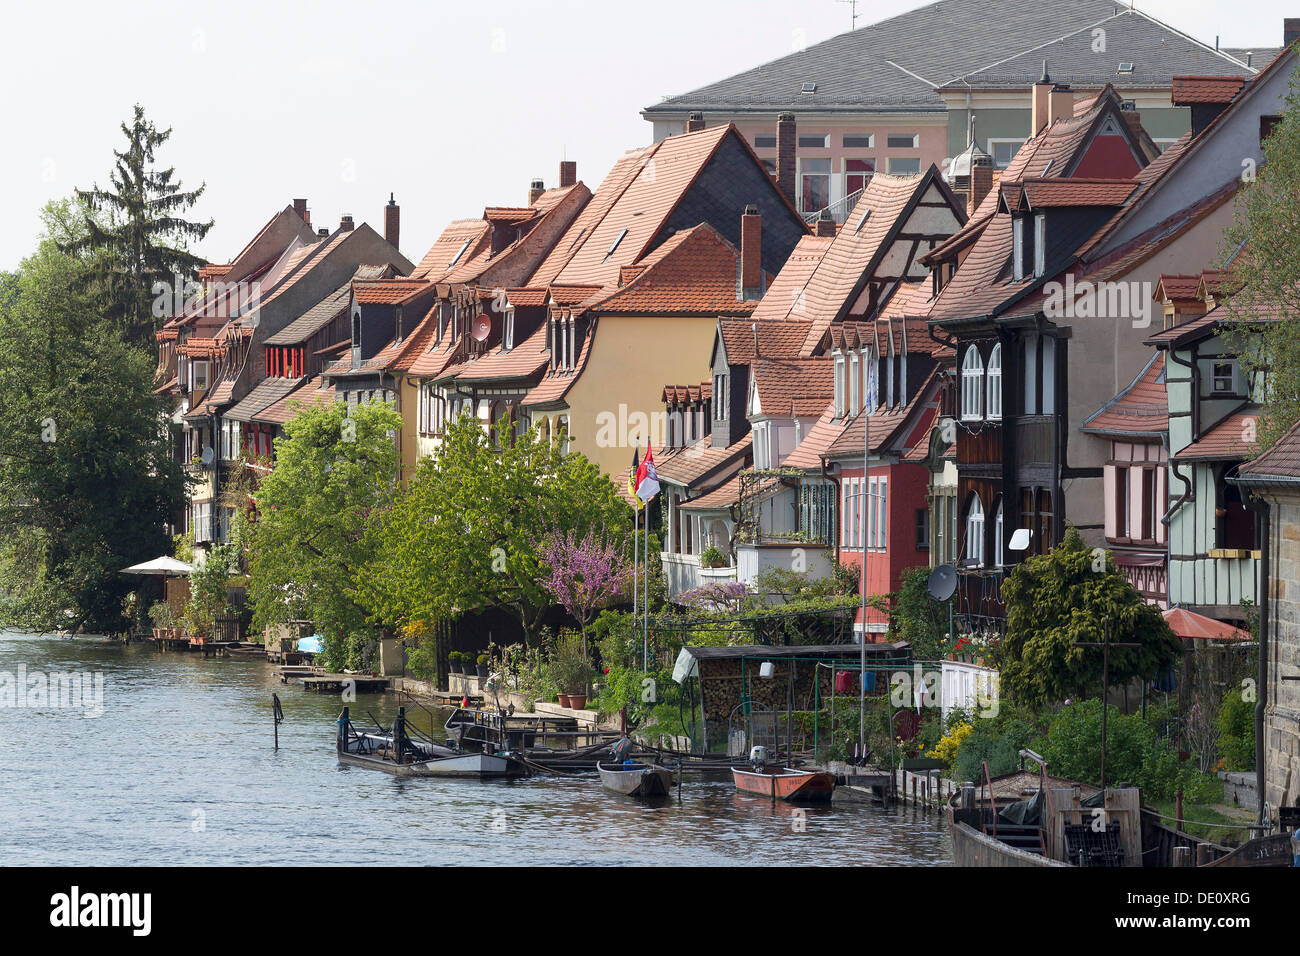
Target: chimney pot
(751, 254)
(785, 154)
(695, 122)
(981, 181)
(535, 190)
(323, 233)
(345, 223)
(392, 221)
(568, 173)
(1040, 113)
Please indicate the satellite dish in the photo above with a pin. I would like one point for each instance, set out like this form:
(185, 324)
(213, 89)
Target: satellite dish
(207, 455)
(481, 328)
(942, 583)
(1019, 540)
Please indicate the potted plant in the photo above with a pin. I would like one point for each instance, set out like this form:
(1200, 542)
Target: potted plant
(482, 666)
(712, 557)
(160, 613)
(454, 662)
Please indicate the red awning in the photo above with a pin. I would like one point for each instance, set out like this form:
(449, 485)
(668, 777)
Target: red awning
(1189, 624)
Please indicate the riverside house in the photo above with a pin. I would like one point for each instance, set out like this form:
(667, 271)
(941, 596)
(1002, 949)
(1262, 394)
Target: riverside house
(1046, 297)
(219, 349)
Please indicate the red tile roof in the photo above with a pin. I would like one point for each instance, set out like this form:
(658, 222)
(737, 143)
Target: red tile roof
(686, 394)
(1280, 461)
(808, 453)
(690, 465)
(691, 272)
(388, 291)
(1205, 89)
(773, 339)
(785, 297)
(456, 244)
(1231, 438)
(788, 387)
(1140, 411)
(1077, 192)
(555, 384)
(523, 361)
(308, 394)
(720, 498)
(1177, 286)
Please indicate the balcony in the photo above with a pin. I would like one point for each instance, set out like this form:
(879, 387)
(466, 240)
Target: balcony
(683, 573)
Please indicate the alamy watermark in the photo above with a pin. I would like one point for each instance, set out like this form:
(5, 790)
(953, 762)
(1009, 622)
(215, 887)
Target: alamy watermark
(1085, 299)
(57, 690)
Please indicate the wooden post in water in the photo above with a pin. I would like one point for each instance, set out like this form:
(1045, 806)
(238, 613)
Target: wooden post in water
(277, 715)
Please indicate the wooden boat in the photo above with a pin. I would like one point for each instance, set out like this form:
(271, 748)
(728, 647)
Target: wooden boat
(394, 751)
(781, 783)
(1027, 818)
(642, 780)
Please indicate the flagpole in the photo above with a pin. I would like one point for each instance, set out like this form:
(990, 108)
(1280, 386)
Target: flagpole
(645, 603)
(636, 526)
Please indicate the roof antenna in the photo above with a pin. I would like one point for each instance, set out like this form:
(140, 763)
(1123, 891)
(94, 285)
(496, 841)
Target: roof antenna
(1046, 78)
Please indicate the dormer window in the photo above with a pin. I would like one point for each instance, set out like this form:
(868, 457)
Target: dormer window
(972, 386)
(720, 397)
(855, 384)
(839, 386)
(1040, 244)
(397, 323)
(508, 336)
(1018, 247)
(889, 378)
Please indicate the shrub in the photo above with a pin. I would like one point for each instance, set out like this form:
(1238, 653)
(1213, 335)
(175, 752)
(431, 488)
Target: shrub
(946, 748)
(712, 557)
(1236, 725)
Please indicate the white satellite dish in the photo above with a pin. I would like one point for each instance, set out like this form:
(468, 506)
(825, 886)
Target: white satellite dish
(765, 669)
(1020, 540)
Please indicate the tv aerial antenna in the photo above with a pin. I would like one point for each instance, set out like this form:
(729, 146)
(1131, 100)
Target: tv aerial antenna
(853, 13)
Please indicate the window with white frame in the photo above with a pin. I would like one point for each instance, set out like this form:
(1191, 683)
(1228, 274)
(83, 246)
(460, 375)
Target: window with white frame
(199, 373)
(855, 384)
(999, 554)
(1030, 374)
(877, 500)
(901, 140)
(1004, 150)
(1040, 244)
(1018, 247)
(1049, 375)
(814, 184)
(993, 379)
(975, 533)
(839, 386)
(889, 377)
(720, 397)
(201, 521)
(229, 439)
(509, 336)
(972, 385)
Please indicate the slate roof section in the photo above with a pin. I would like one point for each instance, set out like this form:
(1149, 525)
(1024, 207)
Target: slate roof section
(1225, 440)
(1140, 411)
(263, 395)
(309, 393)
(896, 63)
(1281, 463)
(325, 311)
(1156, 51)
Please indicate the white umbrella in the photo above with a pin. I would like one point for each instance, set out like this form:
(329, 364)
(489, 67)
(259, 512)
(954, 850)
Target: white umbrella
(163, 565)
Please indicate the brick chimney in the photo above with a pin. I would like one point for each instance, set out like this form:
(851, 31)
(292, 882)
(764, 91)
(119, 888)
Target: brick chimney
(392, 221)
(785, 154)
(1060, 102)
(751, 254)
(535, 190)
(568, 173)
(826, 223)
(346, 224)
(1041, 108)
(981, 181)
(300, 207)
(1134, 120)
(695, 122)
(1290, 30)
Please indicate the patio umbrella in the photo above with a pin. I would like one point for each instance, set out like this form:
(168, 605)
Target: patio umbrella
(1189, 624)
(311, 645)
(164, 566)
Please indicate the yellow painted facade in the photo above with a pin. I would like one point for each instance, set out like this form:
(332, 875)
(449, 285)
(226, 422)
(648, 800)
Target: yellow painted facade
(618, 399)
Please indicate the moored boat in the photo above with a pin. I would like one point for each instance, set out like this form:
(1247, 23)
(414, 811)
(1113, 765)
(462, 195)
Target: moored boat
(636, 779)
(394, 751)
(783, 783)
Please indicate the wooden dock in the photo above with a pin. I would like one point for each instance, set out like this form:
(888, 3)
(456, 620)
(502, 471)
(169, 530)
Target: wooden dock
(336, 683)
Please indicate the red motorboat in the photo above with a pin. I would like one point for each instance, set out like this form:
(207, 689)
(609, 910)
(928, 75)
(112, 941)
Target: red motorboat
(781, 783)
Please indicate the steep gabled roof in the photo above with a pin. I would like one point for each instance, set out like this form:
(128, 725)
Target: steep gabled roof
(745, 340)
(793, 387)
(1140, 411)
(522, 362)
(1231, 438)
(457, 243)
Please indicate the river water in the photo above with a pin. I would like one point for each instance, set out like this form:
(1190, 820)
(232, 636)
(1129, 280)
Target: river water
(180, 768)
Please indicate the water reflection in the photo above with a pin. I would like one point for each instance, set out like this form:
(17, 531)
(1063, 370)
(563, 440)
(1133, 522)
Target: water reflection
(180, 769)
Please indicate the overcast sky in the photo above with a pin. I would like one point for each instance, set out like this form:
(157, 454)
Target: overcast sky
(450, 105)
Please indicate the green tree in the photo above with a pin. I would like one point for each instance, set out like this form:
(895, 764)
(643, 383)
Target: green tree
(467, 533)
(138, 222)
(87, 480)
(333, 468)
(1058, 599)
(918, 618)
(1262, 249)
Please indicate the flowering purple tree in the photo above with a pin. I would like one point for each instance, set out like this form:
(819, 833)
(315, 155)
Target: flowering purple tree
(587, 574)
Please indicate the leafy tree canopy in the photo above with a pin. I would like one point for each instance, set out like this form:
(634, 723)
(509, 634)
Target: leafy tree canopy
(1058, 599)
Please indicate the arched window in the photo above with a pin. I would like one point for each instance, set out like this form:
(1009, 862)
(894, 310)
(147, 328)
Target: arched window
(975, 532)
(994, 384)
(999, 542)
(972, 385)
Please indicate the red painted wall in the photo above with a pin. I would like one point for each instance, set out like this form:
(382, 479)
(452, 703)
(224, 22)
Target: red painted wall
(1108, 157)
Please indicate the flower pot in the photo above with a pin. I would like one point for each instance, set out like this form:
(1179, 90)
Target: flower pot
(481, 670)
(577, 701)
(564, 700)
